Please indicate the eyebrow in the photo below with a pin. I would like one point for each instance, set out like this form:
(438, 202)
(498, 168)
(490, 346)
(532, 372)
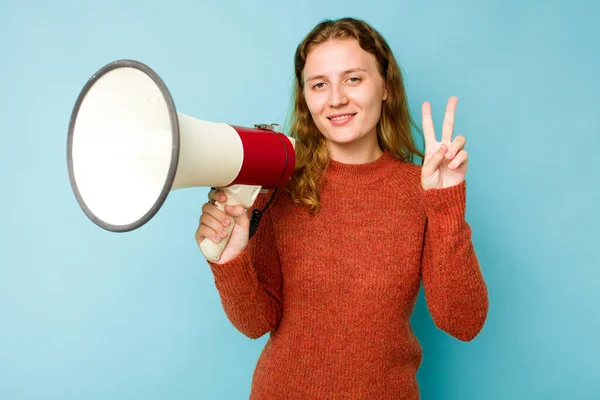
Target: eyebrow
(348, 71)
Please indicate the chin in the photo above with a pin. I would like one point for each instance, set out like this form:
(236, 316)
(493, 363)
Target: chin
(345, 136)
(340, 141)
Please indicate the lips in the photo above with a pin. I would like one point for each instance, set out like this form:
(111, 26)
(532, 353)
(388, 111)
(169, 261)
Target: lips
(340, 119)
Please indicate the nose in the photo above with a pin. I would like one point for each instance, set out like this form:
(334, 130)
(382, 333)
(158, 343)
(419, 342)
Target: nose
(337, 96)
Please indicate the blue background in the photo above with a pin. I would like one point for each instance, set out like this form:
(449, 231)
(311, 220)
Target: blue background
(89, 314)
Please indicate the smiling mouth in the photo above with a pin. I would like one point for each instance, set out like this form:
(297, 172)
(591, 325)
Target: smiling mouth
(340, 117)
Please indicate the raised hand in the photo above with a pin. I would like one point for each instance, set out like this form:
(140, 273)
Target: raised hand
(445, 162)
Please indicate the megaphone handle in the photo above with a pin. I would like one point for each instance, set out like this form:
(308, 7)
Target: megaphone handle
(238, 194)
(211, 250)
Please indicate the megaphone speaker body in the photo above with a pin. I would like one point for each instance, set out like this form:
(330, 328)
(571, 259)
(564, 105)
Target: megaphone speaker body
(128, 148)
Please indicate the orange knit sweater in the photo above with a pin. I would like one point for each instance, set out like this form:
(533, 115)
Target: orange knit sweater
(336, 290)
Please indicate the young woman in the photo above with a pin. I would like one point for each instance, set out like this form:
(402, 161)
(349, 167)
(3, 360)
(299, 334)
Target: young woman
(334, 270)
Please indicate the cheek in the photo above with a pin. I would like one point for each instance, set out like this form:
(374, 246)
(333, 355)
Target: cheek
(374, 103)
(314, 102)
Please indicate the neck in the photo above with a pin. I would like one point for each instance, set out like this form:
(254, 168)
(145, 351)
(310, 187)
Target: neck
(354, 153)
(361, 173)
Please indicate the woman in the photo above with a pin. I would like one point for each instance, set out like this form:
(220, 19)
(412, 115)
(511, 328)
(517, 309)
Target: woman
(334, 270)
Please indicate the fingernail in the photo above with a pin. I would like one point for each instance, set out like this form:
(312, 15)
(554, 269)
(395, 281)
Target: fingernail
(227, 222)
(224, 233)
(216, 239)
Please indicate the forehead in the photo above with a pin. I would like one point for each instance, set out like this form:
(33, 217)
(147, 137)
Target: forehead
(335, 56)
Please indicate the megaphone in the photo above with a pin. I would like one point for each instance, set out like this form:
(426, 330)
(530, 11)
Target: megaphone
(128, 148)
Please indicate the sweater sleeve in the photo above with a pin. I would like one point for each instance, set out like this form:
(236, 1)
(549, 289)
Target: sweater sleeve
(250, 285)
(455, 290)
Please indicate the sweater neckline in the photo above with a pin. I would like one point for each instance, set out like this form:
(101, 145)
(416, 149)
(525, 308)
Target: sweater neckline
(359, 174)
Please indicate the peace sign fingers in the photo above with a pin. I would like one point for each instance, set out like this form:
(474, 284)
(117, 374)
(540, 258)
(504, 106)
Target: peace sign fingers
(445, 162)
(447, 127)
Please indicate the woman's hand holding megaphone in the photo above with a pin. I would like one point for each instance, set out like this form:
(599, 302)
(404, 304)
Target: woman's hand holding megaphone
(216, 225)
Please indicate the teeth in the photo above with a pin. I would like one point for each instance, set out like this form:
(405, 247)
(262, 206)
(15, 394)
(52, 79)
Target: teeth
(340, 117)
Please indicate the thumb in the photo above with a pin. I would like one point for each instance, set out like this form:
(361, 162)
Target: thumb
(434, 162)
(238, 213)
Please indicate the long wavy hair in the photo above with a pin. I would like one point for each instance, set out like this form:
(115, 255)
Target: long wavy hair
(393, 129)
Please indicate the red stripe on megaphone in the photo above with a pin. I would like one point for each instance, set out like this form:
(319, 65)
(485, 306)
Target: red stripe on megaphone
(269, 158)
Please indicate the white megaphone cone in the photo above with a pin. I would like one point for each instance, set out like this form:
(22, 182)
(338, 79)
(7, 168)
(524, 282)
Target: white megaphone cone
(128, 148)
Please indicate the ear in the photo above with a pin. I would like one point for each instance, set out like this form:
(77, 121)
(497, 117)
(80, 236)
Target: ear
(385, 93)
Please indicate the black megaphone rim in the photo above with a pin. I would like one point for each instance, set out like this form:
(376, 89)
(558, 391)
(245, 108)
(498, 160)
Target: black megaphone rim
(174, 149)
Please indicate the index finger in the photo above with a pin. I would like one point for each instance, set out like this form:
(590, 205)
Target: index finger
(214, 194)
(428, 129)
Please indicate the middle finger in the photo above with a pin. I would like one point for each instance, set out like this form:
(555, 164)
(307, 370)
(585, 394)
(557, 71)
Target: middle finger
(217, 195)
(448, 125)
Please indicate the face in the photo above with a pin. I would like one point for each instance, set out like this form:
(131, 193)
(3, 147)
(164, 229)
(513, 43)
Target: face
(344, 93)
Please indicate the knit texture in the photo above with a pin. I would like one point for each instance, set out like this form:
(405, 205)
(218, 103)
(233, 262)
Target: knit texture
(336, 290)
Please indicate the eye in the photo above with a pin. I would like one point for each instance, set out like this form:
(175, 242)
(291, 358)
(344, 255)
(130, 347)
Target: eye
(318, 85)
(354, 79)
